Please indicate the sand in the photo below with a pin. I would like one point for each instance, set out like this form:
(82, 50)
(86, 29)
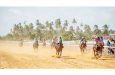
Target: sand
(14, 57)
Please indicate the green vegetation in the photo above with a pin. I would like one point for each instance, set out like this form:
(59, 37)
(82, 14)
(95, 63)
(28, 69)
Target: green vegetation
(57, 28)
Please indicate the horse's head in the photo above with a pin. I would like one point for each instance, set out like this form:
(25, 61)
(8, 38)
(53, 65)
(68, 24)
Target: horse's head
(58, 46)
(83, 45)
(101, 44)
(99, 47)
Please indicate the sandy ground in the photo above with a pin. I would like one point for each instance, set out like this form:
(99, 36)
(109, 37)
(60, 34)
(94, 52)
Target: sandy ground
(13, 56)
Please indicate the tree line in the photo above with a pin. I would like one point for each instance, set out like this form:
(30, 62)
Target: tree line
(29, 31)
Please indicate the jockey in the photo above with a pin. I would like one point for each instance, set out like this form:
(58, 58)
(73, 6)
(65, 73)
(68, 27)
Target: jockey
(83, 40)
(97, 40)
(55, 40)
(108, 43)
(60, 40)
(101, 41)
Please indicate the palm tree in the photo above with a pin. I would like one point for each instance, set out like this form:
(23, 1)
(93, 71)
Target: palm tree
(58, 26)
(71, 30)
(31, 33)
(74, 23)
(87, 31)
(37, 22)
(65, 25)
(111, 31)
(105, 29)
(50, 29)
(105, 26)
(95, 27)
(87, 28)
(96, 31)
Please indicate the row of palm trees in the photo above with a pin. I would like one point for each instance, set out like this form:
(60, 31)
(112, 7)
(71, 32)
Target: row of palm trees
(48, 30)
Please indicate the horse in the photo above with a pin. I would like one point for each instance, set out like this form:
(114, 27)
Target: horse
(111, 51)
(21, 43)
(58, 48)
(35, 46)
(83, 47)
(97, 49)
(44, 44)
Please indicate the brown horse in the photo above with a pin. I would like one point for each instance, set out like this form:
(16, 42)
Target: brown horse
(83, 47)
(21, 43)
(35, 46)
(97, 49)
(58, 48)
(44, 44)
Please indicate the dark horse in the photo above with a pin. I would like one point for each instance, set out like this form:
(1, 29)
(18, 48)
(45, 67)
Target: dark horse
(21, 43)
(97, 49)
(35, 46)
(58, 48)
(83, 47)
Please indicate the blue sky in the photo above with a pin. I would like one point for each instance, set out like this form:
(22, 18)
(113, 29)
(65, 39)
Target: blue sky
(86, 15)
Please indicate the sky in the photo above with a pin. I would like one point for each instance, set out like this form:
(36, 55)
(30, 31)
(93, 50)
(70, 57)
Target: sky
(85, 15)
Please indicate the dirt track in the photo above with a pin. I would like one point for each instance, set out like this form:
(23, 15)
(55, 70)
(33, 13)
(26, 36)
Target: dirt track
(13, 56)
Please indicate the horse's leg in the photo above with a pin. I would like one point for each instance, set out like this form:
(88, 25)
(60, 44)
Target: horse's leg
(83, 50)
(56, 52)
(60, 52)
(100, 53)
(93, 51)
(34, 48)
(112, 52)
